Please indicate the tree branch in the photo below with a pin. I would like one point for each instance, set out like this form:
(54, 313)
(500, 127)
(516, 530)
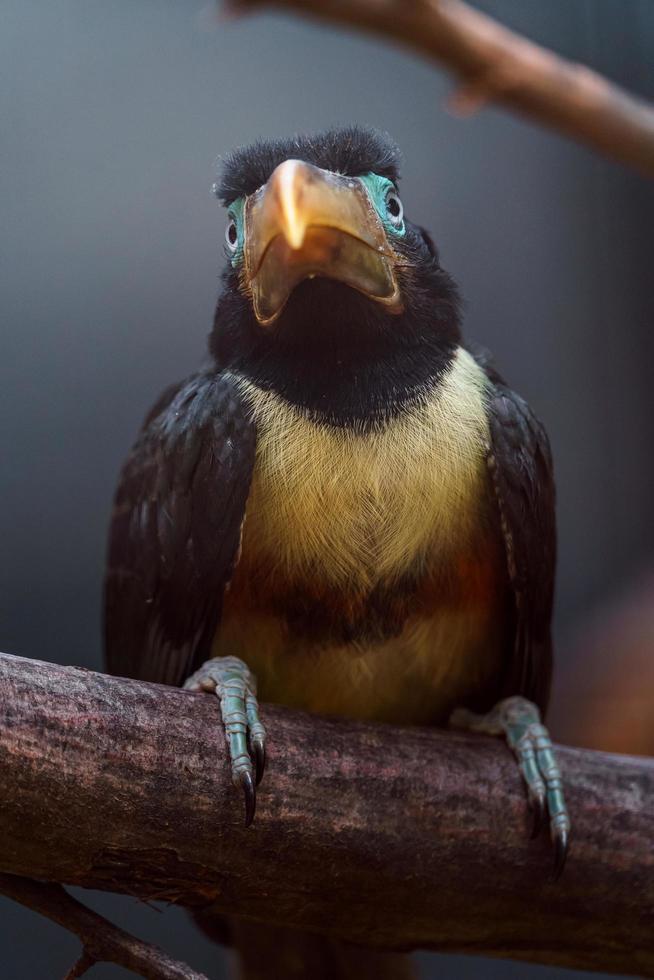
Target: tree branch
(387, 837)
(101, 940)
(494, 63)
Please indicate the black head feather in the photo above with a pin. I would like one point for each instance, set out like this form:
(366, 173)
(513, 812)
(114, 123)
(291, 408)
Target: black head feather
(352, 151)
(333, 351)
(339, 355)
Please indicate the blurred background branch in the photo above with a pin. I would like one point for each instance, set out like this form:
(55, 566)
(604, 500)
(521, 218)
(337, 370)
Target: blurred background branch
(604, 684)
(385, 837)
(494, 64)
(102, 941)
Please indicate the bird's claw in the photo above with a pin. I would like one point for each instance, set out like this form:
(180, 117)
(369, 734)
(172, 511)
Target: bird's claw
(230, 679)
(259, 749)
(537, 808)
(560, 854)
(519, 721)
(250, 793)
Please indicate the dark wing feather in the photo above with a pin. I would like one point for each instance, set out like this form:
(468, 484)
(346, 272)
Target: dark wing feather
(520, 465)
(175, 530)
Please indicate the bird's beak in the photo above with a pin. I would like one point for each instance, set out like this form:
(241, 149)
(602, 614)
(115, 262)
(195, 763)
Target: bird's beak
(307, 222)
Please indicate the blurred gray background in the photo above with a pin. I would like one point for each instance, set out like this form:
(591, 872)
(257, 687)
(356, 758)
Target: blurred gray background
(112, 115)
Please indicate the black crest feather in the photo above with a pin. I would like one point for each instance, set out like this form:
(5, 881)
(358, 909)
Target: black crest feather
(350, 150)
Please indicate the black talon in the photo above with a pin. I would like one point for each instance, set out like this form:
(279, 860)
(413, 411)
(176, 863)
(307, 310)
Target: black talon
(537, 808)
(560, 853)
(259, 759)
(250, 797)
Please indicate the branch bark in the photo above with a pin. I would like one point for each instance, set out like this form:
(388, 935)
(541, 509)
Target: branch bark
(102, 941)
(494, 63)
(391, 838)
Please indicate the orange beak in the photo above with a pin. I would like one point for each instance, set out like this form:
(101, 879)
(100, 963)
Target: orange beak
(307, 222)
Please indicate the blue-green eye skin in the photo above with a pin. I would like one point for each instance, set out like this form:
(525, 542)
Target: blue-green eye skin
(234, 233)
(384, 196)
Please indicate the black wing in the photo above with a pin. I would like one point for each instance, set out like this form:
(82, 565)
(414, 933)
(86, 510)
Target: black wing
(520, 464)
(175, 530)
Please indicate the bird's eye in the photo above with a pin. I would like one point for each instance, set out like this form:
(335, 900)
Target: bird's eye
(231, 235)
(394, 209)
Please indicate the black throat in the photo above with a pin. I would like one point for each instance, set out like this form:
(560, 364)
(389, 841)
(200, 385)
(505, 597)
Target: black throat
(339, 355)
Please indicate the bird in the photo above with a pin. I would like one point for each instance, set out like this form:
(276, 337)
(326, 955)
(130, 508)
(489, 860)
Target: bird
(346, 510)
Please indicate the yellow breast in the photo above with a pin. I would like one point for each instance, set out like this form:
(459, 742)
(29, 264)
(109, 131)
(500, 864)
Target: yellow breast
(357, 508)
(334, 516)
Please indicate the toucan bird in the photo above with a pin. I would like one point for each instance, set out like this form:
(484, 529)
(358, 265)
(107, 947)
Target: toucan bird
(348, 510)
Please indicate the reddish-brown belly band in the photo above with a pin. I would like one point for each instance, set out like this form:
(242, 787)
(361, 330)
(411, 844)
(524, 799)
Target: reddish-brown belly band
(411, 657)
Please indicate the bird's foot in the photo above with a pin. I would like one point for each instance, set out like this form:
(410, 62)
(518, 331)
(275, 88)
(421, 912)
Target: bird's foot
(230, 679)
(518, 720)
